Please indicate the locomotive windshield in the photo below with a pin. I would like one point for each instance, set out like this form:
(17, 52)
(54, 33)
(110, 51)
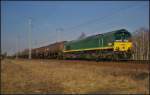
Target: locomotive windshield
(122, 36)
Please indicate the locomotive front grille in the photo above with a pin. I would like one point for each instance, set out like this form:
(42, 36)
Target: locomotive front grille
(122, 46)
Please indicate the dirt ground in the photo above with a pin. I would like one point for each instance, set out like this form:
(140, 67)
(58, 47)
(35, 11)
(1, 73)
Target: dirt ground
(53, 76)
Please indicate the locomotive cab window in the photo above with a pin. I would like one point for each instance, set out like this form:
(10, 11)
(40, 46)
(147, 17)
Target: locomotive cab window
(122, 36)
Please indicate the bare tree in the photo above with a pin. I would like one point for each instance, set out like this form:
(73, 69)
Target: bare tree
(141, 44)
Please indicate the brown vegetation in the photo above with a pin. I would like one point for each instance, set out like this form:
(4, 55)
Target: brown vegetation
(53, 76)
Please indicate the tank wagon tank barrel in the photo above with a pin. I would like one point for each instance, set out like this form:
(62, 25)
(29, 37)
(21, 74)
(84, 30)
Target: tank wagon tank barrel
(50, 51)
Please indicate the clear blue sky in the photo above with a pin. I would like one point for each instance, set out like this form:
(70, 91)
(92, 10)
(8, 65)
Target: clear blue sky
(90, 17)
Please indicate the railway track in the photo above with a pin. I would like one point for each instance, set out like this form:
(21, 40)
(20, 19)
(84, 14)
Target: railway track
(120, 61)
(136, 61)
(131, 64)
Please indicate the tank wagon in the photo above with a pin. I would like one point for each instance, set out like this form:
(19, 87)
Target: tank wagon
(54, 50)
(111, 45)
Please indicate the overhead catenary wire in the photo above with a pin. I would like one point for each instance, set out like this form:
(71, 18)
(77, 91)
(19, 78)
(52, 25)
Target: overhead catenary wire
(117, 13)
(94, 21)
(98, 19)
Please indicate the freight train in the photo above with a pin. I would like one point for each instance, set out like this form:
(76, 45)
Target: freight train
(114, 45)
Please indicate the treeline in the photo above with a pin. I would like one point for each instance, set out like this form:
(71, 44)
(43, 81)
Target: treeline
(140, 40)
(2, 56)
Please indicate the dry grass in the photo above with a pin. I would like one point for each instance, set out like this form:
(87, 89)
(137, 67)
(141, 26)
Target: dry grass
(51, 76)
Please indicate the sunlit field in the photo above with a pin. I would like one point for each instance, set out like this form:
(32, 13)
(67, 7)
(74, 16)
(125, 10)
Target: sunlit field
(63, 77)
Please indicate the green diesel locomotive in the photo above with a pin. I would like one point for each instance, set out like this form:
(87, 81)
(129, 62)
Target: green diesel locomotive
(114, 45)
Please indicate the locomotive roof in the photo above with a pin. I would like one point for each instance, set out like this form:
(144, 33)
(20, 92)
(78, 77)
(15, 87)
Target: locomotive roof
(50, 45)
(111, 32)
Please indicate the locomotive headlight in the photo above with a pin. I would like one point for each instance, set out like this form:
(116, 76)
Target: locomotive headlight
(109, 44)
